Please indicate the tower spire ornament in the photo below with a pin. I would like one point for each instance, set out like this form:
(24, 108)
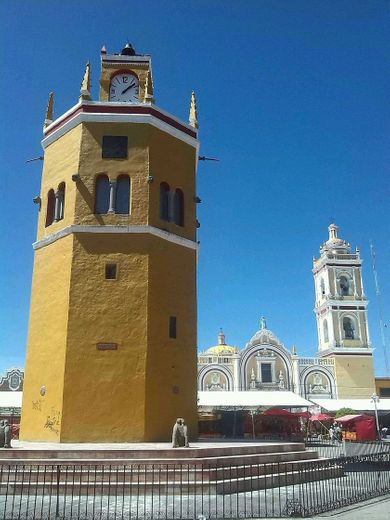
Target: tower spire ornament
(221, 337)
(193, 119)
(148, 96)
(85, 91)
(49, 111)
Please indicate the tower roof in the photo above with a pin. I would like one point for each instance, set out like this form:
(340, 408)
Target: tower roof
(334, 242)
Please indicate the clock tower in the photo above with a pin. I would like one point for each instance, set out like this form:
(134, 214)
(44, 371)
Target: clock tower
(341, 312)
(112, 336)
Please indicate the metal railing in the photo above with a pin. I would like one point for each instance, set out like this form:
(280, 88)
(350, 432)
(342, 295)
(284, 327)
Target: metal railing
(190, 491)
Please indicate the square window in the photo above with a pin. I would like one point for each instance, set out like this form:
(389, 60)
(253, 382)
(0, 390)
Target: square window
(110, 271)
(172, 327)
(114, 147)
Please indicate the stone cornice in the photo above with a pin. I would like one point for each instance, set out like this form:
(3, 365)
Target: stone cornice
(150, 230)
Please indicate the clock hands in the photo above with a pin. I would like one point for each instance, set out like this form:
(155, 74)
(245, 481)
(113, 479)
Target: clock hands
(128, 88)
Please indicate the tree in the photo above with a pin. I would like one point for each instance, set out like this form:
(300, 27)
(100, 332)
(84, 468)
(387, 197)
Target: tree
(345, 411)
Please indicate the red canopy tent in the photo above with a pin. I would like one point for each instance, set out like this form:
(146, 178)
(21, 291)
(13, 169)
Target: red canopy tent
(363, 425)
(321, 417)
(279, 411)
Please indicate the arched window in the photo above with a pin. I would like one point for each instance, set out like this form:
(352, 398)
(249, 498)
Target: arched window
(122, 205)
(322, 286)
(102, 194)
(178, 207)
(326, 332)
(349, 328)
(344, 285)
(60, 201)
(51, 204)
(164, 201)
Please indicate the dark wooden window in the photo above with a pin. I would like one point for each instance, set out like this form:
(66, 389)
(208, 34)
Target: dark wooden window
(384, 392)
(102, 194)
(111, 271)
(114, 147)
(172, 327)
(266, 373)
(122, 204)
(178, 207)
(164, 201)
(51, 204)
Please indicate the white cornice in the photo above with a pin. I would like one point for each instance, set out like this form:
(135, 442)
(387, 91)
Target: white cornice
(346, 350)
(151, 230)
(74, 117)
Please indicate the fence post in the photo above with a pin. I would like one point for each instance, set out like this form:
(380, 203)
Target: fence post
(58, 492)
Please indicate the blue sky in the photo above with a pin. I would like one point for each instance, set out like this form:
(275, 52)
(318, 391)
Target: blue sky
(293, 99)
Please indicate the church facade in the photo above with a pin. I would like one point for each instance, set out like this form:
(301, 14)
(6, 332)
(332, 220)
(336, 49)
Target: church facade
(343, 367)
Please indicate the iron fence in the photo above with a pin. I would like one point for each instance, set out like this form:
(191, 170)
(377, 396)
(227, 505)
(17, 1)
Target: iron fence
(188, 491)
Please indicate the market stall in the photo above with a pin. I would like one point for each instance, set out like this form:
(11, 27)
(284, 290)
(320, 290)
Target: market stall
(358, 427)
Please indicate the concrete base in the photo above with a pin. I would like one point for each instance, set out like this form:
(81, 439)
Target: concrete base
(219, 467)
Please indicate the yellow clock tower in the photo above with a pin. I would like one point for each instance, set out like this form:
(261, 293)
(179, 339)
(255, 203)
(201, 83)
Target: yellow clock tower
(112, 339)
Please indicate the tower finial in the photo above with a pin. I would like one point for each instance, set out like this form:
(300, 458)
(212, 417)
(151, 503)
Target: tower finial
(85, 91)
(333, 231)
(263, 323)
(221, 337)
(193, 119)
(49, 111)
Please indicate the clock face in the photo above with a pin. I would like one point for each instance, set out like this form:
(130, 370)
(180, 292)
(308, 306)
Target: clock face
(124, 88)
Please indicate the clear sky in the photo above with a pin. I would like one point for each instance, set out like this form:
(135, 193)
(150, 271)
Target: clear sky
(293, 100)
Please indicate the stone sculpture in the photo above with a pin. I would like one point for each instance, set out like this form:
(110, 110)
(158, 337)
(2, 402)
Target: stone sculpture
(2, 434)
(180, 434)
(5, 434)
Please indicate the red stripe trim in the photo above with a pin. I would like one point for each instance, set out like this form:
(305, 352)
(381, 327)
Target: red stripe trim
(107, 109)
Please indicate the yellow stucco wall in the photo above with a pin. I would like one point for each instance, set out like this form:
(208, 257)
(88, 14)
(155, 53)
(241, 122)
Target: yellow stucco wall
(354, 376)
(136, 392)
(45, 364)
(61, 162)
(171, 389)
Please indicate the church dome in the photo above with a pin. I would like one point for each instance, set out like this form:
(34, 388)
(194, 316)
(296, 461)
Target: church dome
(222, 348)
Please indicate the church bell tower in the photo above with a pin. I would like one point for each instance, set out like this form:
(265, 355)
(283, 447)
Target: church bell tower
(341, 312)
(112, 336)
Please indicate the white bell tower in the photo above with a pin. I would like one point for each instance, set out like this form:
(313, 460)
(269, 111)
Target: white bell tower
(341, 305)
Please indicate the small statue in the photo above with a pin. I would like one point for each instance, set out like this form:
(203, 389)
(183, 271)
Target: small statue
(281, 380)
(180, 434)
(2, 434)
(7, 434)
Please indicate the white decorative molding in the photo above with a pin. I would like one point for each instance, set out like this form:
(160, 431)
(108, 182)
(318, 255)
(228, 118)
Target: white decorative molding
(71, 121)
(151, 230)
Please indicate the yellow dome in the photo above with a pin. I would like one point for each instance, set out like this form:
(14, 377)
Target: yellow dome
(222, 349)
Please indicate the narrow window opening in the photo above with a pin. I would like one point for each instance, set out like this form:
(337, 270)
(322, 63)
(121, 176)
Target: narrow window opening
(61, 201)
(102, 194)
(178, 207)
(164, 201)
(111, 270)
(172, 327)
(122, 205)
(51, 203)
